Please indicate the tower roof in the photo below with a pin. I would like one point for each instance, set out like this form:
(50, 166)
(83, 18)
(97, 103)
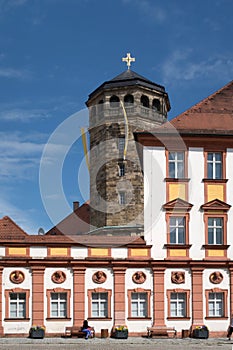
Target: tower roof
(127, 78)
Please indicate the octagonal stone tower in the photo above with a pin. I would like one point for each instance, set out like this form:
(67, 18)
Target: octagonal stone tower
(118, 108)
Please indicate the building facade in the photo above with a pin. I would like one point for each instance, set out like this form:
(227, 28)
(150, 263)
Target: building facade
(179, 271)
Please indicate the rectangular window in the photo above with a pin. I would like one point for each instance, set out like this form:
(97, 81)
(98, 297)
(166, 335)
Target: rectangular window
(121, 169)
(99, 304)
(58, 305)
(216, 304)
(139, 304)
(177, 230)
(121, 145)
(122, 198)
(178, 305)
(17, 305)
(214, 165)
(215, 230)
(176, 165)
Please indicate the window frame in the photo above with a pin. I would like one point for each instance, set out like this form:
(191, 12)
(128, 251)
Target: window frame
(130, 292)
(225, 299)
(122, 197)
(8, 292)
(109, 296)
(223, 153)
(176, 162)
(49, 292)
(223, 216)
(187, 294)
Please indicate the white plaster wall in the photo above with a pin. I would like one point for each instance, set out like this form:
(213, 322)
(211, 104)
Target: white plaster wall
(134, 325)
(2, 251)
(16, 327)
(119, 253)
(196, 197)
(57, 326)
(155, 197)
(108, 284)
(38, 252)
(79, 253)
(212, 324)
(179, 325)
(229, 200)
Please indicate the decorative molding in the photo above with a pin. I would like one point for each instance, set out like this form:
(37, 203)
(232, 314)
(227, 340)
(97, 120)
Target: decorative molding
(17, 277)
(178, 277)
(99, 277)
(216, 277)
(139, 277)
(58, 277)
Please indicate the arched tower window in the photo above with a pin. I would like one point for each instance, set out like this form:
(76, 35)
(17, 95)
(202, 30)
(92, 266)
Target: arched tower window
(114, 101)
(145, 101)
(156, 104)
(128, 100)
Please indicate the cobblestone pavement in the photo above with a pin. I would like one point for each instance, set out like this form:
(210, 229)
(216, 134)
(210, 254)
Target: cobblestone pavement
(115, 344)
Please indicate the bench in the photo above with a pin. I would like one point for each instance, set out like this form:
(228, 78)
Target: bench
(161, 331)
(77, 332)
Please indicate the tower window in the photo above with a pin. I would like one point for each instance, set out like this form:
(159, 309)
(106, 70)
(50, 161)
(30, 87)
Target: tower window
(121, 145)
(145, 101)
(101, 105)
(114, 101)
(122, 198)
(156, 105)
(121, 169)
(128, 100)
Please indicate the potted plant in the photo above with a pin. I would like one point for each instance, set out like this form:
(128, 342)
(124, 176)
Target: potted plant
(201, 332)
(121, 332)
(37, 332)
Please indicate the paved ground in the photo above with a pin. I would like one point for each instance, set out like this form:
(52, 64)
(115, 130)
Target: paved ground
(115, 344)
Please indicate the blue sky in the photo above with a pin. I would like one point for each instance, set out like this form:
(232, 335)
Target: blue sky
(54, 53)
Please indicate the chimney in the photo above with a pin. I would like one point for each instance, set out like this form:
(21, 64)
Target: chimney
(75, 205)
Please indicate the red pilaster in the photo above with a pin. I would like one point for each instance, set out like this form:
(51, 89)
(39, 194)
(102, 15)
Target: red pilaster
(158, 299)
(1, 327)
(38, 295)
(79, 295)
(119, 296)
(197, 296)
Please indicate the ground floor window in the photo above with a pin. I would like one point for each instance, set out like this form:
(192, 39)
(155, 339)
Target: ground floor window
(178, 303)
(139, 303)
(17, 305)
(216, 301)
(58, 305)
(99, 301)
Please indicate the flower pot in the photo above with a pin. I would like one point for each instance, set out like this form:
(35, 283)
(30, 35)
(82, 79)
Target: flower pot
(36, 333)
(121, 334)
(201, 333)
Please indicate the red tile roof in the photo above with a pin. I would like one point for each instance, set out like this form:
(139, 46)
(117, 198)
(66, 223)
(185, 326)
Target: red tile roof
(214, 113)
(76, 223)
(10, 230)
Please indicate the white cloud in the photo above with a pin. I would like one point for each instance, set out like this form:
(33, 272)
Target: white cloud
(7, 5)
(148, 9)
(23, 115)
(183, 66)
(14, 73)
(21, 218)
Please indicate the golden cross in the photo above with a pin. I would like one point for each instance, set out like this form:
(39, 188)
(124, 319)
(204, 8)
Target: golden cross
(128, 59)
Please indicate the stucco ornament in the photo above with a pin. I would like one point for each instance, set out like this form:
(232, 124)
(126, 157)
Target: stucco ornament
(99, 277)
(139, 277)
(178, 277)
(17, 277)
(216, 277)
(58, 277)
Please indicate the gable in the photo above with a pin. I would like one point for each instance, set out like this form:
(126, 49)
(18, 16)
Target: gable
(216, 204)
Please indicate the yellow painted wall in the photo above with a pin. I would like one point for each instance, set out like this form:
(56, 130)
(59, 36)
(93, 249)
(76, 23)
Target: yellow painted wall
(215, 191)
(59, 251)
(99, 252)
(177, 252)
(17, 251)
(215, 252)
(139, 252)
(176, 191)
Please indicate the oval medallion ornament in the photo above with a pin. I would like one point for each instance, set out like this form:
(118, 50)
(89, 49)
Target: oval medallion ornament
(99, 277)
(139, 277)
(58, 277)
(17, 277)
(178, 277)
(216, 277)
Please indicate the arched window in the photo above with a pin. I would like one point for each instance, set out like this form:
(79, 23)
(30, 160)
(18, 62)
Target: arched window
(114, 101)
(128, 100)
(156, 104)
(145, 101)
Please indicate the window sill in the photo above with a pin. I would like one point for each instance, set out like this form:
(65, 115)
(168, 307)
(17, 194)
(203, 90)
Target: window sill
(138, 318)
(216, 318)
(16, 319)
(177, 246)
(214, 180)
(99, 318)
(174, 179)
(216, 246)
(58, 318)
(178, 318)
